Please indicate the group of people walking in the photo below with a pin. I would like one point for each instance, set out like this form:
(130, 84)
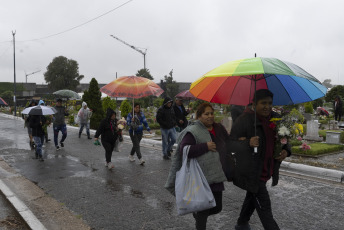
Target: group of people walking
(207, 142)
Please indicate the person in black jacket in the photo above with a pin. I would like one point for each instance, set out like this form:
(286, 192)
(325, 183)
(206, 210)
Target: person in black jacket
(27, 125)
(262, 136)
(109, 134)
(167, 121)
(36, 124)
(338, 108)
(181, 113)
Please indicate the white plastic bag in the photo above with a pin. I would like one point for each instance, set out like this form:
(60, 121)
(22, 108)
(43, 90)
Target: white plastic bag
(118, 146)
(193, 192)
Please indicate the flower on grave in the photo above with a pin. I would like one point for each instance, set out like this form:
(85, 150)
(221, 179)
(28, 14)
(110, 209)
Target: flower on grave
(299, 138)
(305, 146)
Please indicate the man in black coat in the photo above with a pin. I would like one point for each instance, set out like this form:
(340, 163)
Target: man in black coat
(181, 113)
(167, 120)
(263, 137)
(36, 123)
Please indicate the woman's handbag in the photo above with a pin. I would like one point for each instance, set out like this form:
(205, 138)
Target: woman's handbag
(192, 190)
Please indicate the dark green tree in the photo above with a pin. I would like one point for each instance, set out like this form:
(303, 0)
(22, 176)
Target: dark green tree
(63, 73)
(170, 86)
(125, 108)
(337, 90)
(144, 73)
(7, 95)
(107, 102)
(93, 98)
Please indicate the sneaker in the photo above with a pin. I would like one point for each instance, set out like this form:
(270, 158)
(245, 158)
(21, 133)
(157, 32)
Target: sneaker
(131, 158)
(242, 227)
(41, 159)
(110, 165)
(166, 157)
(57, 147)
(169, 153)
(47, 140)
(79, 135)
(106, 164)
(89, 138)
(142, 161)
(62, 145)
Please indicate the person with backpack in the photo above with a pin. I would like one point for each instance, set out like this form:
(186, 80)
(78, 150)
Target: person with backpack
(36, 124)
(26, 118)
(136, 122)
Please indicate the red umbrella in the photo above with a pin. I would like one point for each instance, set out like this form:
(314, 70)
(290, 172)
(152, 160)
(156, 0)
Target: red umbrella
(186, 95)
(132, 87)
(2, 102)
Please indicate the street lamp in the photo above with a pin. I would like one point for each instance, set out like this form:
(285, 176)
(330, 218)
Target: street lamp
(14, 63)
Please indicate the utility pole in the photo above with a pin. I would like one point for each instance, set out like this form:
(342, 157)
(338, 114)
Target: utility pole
(137, 49)
(26, 75)
(14, 63)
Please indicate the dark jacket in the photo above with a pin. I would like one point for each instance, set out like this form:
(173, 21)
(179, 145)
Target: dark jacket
(59, 117)
(165, 115)
(244, 127)
(180, 115)
(108, 128)
(36, 122)
(338, 108)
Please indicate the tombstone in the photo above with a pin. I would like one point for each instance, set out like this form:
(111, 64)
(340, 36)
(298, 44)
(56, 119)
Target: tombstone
(307, 116)
(332, 137)
(227, 123)
(312, 131)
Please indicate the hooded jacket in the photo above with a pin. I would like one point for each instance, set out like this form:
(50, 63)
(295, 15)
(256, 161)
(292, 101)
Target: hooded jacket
(180, 114)
(165, 115)
(108, 128)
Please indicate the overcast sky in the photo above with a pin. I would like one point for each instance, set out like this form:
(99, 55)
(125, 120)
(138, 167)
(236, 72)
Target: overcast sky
(189, 36)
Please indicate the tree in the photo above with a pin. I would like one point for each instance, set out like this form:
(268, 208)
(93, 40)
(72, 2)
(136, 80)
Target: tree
(93, 97)
(107, 102)
(337, 90)
(144, 73)
(63, 73)
(327, 83)
(170, 86)
(7, 94)
(125, 108)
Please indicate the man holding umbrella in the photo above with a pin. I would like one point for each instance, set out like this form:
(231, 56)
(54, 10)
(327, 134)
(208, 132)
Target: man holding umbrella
(262, 136)
(36, 124)
(59, 123)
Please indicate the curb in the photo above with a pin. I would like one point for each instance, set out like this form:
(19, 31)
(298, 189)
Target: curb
(321, 173)
(30, 219)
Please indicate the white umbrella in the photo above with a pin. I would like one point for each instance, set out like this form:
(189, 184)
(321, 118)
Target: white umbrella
(39, 110)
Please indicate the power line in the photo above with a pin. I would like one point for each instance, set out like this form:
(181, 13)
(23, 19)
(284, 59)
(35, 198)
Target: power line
(65, 31)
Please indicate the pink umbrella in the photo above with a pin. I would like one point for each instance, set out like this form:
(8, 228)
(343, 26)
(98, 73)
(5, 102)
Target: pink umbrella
(186, 95)
(2, 102)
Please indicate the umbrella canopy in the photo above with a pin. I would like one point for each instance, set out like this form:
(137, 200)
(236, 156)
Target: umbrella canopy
(70, 94)
(186, 95)
(39, 110)
(322, 111)
(235, 82)
(2, 102)
(132, 87)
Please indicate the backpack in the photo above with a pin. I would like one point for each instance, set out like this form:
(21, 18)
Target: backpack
(135, 124)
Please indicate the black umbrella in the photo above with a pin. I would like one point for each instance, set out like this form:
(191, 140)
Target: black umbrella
(39, 110)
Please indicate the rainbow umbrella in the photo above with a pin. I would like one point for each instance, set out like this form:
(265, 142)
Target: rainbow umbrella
(235, 82)
(2, 102)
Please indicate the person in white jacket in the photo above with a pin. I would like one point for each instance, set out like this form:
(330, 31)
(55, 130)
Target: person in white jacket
(84, 116)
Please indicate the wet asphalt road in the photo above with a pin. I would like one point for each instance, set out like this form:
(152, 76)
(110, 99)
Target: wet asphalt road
(132, 196)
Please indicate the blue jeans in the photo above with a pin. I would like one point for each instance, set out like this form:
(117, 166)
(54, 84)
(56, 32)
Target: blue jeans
(63, 130)
(38, 142)
(82, 125)
(168, 139)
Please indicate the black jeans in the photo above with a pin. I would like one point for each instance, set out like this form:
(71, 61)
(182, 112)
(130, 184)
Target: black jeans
(136, 139)
(260, 202)
(337, 115)
(108, 146)
(202, 216)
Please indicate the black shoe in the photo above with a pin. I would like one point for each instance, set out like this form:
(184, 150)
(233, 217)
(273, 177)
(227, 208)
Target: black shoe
(170, 153)
(79, 135)
(89, 138)
(47, 140)
(166, 157)
(57, 147)
(242, 227)
(62, 145)
(41, 159)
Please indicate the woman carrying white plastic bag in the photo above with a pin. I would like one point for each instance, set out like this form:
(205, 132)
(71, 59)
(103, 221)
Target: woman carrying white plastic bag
(207, 141)
(193, 192)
